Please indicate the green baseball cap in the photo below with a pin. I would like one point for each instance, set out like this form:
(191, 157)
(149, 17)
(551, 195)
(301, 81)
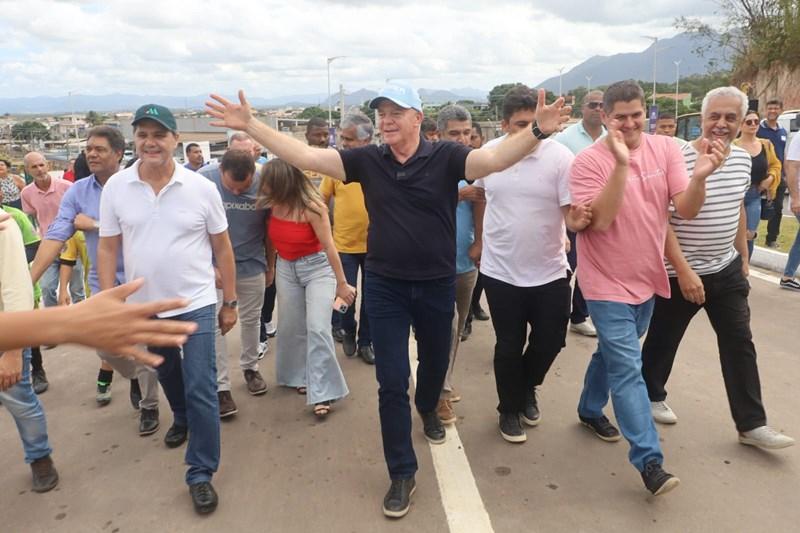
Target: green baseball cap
(157, 113)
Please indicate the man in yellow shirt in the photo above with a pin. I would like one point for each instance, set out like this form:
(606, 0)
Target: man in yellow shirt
(350, 222)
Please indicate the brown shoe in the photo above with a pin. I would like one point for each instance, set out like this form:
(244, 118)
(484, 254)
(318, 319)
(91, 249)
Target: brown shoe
(255, 383)
(45, 476)
(445, 411)
(227, 407)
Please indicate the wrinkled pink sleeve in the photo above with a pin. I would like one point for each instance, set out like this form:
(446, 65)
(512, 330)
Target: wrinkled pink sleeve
(586, 178)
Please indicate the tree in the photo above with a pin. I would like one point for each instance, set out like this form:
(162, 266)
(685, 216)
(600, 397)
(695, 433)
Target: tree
(760, 33)
(316, 111)
(28, 130)
(94, 118)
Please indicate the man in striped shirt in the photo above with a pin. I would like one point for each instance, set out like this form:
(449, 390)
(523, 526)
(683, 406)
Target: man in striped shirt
(706, 270)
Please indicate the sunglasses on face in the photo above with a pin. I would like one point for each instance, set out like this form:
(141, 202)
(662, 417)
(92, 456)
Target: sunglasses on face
(751, 122)
(594, 105)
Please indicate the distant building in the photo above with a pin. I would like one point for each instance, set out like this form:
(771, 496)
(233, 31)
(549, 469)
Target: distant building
(683, 98)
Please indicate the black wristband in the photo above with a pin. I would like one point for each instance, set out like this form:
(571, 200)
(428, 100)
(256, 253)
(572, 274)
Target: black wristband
(539, 134)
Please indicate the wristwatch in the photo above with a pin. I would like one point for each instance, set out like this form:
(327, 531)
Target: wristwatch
(233, 304)
(539, 134)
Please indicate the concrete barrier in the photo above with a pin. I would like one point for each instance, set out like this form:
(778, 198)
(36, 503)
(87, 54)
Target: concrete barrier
(769, 259)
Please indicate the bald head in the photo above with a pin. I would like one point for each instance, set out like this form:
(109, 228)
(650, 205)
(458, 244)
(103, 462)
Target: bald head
(242, 142)
(36, 166)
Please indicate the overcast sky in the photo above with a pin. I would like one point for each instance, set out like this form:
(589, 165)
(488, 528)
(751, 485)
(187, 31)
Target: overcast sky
(273, 48)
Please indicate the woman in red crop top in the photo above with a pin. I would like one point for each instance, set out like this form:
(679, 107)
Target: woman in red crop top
(308, 277)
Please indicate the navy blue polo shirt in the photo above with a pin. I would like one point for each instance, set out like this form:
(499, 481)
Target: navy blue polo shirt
(411, 206)
(776, 136)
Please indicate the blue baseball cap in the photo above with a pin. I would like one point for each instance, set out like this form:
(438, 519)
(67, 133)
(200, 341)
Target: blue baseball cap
(403, 95)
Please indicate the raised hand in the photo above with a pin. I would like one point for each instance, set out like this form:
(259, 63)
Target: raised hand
(579, 217)
(616, 143)
(106, 322)
(230, 115)
(710, 157)
(550, 118)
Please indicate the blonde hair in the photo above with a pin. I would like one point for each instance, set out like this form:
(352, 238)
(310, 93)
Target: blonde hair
(286, 185)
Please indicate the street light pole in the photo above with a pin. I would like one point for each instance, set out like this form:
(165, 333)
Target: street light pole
(560, 71)
(588, 84)
(677, 82)
(655, 59)
(330, 108)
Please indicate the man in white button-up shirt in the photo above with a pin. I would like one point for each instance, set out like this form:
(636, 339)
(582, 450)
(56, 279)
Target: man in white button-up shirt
(170, 222)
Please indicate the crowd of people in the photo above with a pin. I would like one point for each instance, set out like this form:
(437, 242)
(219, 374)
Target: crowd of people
(654, 228)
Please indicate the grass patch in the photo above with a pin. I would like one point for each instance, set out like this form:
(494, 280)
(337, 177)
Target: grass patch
(789, 226)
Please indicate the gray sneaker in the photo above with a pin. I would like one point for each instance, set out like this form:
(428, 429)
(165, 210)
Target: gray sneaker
(766, 438)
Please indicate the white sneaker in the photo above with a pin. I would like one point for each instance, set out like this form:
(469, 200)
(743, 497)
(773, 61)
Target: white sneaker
(263, 348)
(766, 438)
(584, 328)
(270, 329)
(662, 413)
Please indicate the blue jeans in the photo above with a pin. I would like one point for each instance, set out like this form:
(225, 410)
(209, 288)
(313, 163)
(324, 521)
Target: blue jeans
(24, 406)
(617, 366)
(393, 306)
(350, 265)
(752, 209)
(794, 257)
(49, 285)
(189, 380)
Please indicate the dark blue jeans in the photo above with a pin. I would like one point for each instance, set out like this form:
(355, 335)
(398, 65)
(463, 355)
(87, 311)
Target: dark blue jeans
(189, 381)
(350, 264)
(393, 306)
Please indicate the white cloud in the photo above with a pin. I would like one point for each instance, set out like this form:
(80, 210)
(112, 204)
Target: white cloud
(274, 48)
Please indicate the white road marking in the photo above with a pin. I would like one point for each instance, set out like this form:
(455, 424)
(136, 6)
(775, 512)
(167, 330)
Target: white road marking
(461, 500)
(765, 277)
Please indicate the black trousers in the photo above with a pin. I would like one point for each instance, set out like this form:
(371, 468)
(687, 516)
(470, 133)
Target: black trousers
(517, 368)
(774, 223)
(580, 311)
(729, 313)
(266, 310)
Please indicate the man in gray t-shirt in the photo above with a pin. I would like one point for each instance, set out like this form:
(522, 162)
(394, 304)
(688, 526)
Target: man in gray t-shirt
(237, 183)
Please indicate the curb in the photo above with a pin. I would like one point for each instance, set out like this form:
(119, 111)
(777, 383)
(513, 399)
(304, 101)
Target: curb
(769, 259)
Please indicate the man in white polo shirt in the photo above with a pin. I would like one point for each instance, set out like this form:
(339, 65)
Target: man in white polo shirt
(169, 220)
(524, 265)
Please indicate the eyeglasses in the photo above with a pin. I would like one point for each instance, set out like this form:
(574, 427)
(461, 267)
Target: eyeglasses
(751, 122)
(594, 105)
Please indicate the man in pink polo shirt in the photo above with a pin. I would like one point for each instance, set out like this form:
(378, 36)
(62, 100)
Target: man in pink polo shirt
(41, 200)
(630, 180)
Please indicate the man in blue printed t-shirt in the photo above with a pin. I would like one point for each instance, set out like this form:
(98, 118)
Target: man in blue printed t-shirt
(237, 183)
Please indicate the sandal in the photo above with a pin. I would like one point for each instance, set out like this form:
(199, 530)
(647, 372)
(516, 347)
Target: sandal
(322, 409)
(300, 390)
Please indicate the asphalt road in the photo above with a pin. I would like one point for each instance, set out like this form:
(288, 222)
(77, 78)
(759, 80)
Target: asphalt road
(283, 470)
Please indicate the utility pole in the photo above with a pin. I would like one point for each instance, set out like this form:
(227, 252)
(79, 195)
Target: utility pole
(655, 59)
(677, 82)
(330, 107)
